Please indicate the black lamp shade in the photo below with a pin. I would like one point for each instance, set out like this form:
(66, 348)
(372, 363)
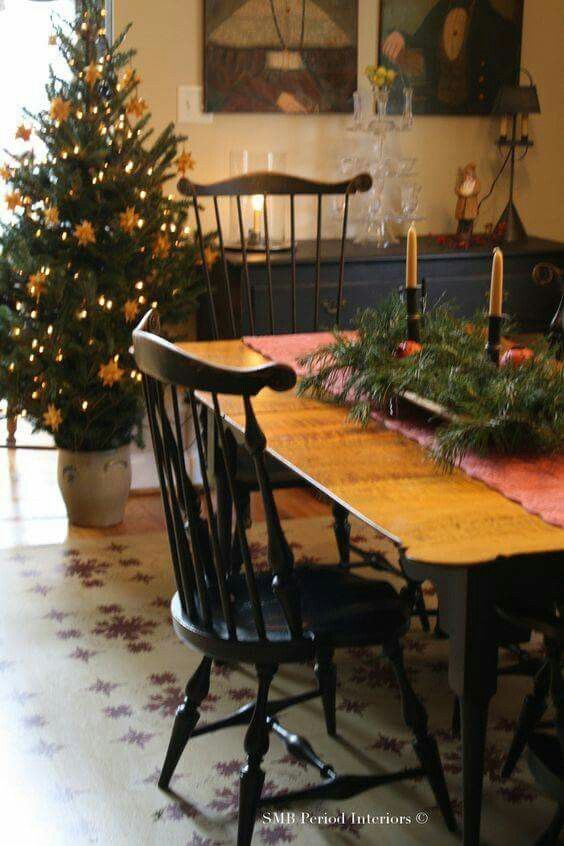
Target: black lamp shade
(517, 100)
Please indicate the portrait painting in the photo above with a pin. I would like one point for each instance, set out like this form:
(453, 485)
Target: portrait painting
(454, 53)
(290, 56)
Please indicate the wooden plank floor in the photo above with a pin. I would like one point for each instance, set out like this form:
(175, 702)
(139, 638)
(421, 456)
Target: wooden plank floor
(32, 511)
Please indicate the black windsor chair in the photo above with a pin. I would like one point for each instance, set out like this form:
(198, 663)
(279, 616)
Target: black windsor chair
(281, 306)
(284, 615)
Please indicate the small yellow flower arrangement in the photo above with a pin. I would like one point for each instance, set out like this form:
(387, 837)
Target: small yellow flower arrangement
(380, 77)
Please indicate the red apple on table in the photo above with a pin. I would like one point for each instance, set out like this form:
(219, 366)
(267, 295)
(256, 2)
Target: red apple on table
(407, 348)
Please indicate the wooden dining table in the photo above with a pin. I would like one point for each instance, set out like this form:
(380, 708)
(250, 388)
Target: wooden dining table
(477, 547)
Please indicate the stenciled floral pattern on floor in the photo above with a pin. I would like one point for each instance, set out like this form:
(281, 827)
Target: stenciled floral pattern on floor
(90, 677)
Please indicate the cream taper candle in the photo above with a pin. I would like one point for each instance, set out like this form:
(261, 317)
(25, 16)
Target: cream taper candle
(411, 263)
(493, 346)
(496, 286)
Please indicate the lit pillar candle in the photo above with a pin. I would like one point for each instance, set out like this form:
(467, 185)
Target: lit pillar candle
(503, 127)
(411, 264)
(493, 345)
(413, 332)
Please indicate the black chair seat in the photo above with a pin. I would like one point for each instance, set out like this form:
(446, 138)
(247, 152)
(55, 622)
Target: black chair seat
(339, 609)
(546, 763)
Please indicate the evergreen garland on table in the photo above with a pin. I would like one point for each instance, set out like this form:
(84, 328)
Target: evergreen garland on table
(91, 244)
(510, 410)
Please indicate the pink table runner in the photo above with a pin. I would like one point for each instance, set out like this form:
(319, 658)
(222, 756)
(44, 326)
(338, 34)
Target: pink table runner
(536, 483)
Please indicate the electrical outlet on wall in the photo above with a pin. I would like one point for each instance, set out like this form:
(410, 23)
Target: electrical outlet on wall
(189, 107)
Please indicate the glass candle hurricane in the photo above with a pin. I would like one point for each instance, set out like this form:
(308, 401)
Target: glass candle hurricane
(252, 207)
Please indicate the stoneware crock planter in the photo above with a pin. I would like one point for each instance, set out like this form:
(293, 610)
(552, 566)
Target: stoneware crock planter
(95, 485)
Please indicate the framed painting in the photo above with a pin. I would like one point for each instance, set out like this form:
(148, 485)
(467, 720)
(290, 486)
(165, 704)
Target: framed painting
(455, 53)
(290, 56)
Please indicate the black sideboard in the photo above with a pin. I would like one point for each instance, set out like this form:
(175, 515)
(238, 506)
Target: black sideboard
(461, 277)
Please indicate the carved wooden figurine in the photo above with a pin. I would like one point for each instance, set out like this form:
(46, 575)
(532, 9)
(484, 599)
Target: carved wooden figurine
(467, 190)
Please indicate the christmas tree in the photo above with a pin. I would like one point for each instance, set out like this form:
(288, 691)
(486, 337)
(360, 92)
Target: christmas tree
(92, 243)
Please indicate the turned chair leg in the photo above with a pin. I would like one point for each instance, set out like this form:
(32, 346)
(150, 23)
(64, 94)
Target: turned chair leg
(187, 715)
(326, 674)
(342, 529)
(256, 747)
(425, 745)
(532, 710)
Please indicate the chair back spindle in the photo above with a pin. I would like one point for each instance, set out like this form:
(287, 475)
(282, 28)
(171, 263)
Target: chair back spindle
(205, 265)
(280, 557)
(266, 186)
(228, 296)
(318, 258)
(268, 267)
(342, 260)
(246, 278)
(293, 252)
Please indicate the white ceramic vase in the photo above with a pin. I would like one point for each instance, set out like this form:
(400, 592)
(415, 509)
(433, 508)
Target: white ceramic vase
(95, 485)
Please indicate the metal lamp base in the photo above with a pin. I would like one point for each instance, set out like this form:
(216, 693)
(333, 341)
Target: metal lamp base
(513, 229)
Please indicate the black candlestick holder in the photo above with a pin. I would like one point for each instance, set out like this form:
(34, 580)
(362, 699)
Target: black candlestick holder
(493, 346)
(413, 316)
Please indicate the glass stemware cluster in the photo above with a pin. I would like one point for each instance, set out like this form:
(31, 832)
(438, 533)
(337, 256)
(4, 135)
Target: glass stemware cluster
(377, 210)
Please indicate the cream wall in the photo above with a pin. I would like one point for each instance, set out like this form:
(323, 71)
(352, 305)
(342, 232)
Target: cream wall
(168, 36)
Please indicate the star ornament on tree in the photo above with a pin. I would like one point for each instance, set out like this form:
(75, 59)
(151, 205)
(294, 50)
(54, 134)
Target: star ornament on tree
(36, 283)
(52, 418)
(60, 109)
(130, 310)
(92, 74)
(130, 76)
(110, 373)
(6, 173)
(23, 132)
(13, 200)
(51, 215)
(184, 162)
(161, 247)
(84, 233)
(128, 220)
(136, 106)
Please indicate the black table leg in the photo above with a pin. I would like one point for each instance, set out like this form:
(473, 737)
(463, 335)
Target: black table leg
(474, 718)
(471, 623)
(467, 603)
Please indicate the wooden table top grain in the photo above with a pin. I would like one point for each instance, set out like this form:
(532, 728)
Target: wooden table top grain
(387, 480)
